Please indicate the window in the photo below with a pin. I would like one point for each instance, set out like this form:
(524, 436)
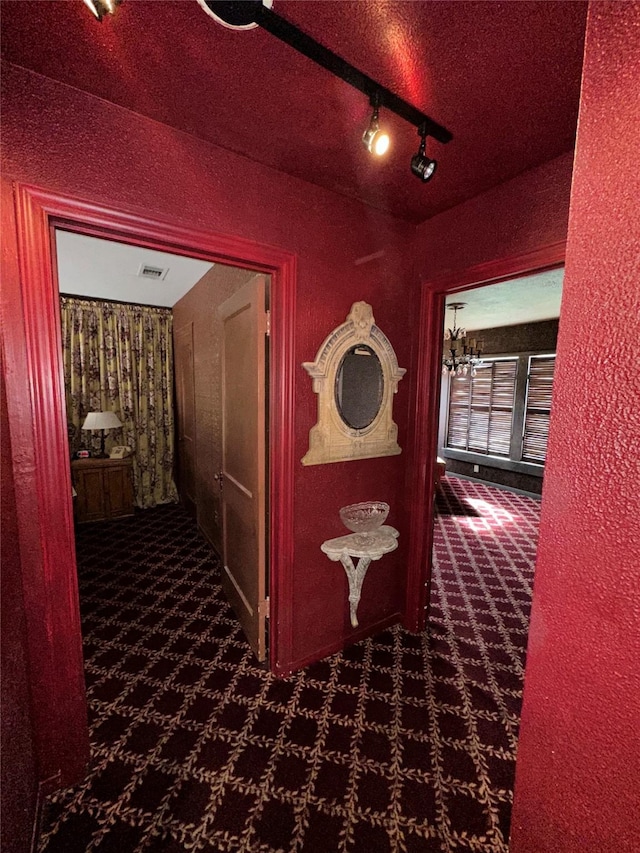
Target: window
(502, 412)
(481, 409)
(538, 408)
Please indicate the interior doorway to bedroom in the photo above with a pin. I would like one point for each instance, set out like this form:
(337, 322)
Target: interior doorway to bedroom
(144, 342)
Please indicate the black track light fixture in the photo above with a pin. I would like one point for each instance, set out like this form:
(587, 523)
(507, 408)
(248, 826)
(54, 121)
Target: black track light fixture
(375, 140)
(421, 165)
(243, 14)
(247, 14)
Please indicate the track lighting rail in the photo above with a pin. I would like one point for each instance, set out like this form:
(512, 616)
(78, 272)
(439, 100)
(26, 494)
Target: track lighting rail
(309, 47)
(245, 14)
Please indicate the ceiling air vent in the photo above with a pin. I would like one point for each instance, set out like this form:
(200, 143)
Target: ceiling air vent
(157, 273)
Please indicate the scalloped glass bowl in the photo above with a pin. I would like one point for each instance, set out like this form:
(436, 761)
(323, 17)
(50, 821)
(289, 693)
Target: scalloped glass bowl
(364, 517)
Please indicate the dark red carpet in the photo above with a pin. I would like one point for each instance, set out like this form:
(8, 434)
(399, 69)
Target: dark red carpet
(401, 743)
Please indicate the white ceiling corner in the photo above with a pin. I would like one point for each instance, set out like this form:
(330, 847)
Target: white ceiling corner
(105, 269)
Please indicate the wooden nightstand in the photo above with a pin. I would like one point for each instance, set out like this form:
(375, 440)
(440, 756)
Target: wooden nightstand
(104, 487)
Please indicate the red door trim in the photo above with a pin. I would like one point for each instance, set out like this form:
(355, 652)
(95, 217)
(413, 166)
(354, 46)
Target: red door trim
(426, 404)
(44, 505)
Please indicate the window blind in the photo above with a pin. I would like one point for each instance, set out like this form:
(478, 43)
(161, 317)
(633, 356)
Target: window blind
(538, 408)
(481, 409)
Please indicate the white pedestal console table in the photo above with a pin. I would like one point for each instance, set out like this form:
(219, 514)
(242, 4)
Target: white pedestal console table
(366, 547)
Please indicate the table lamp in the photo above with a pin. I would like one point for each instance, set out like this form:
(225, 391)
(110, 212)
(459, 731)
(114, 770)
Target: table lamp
(101, 421)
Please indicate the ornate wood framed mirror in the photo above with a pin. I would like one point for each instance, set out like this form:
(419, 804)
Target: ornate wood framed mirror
(355, 376)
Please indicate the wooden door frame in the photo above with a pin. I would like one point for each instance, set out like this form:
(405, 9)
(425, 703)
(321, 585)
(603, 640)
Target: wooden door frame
(426, 406)
(36, 400)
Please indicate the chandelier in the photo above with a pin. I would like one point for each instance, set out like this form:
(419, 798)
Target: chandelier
(465, 356)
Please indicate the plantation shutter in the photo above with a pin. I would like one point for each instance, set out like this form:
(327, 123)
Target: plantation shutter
(538, 408)
(503, 391)
(481, 409)
(459, 413)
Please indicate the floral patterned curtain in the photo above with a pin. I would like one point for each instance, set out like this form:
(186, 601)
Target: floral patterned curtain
(119, 358)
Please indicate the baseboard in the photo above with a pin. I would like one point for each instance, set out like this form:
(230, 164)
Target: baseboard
(338, 646)
(46, 787)
(515, 491)
(283, 671)
(210, 541)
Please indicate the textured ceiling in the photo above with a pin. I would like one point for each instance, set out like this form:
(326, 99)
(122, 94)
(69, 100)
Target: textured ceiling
(527, 299)
(503, 77)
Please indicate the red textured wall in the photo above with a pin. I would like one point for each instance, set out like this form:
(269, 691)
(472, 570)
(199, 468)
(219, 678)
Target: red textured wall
(514, 218)
(63, 140)
(18, 783)
(578, 770)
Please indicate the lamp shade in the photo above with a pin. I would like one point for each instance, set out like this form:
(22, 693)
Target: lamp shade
(101, 420)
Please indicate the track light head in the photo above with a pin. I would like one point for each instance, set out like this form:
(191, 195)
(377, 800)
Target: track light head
(100, 8)
(376, 141)
(421, 165)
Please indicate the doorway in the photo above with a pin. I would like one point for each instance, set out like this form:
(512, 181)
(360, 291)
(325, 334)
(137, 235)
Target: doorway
(122, 307)
(496, 375)
(44, 500)
(426, 406)
(498, 361)
(497, 378)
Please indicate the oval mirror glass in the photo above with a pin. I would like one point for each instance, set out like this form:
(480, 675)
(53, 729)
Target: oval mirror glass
(359, 386)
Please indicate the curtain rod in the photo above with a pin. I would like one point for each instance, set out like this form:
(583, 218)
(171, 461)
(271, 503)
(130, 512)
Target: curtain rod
(115, 302)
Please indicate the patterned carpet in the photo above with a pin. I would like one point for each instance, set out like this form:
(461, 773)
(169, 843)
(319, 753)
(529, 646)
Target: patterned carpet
(401, 743)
